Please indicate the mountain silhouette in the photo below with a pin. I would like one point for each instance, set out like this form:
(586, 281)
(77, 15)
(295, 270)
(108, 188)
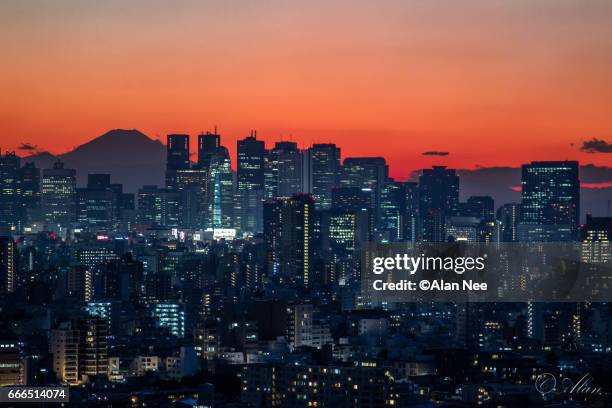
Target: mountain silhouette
(129, 156)
(134, 159)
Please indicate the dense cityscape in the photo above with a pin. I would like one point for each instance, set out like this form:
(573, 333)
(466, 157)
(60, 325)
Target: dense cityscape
(238, 284)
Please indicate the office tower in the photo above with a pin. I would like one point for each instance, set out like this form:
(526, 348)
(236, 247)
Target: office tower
(343, 232)
(270, 175)
(170, 317)
(8, 265)
(438, 199)
(392, 211)
(58, 195)
(411, 220)
(550, 202)
(221, 190)
(596, 237)
(508, 215)
(97, 204)
(366, 172)
(11, 212)
(285, 160)
(177, 157)
(208, 143)
(288, 231)
(251, 185)
(192, 185)
(93, 256)
(159, 207)
(149, 202)
(353, 199)
(324, 173)
(29, 175)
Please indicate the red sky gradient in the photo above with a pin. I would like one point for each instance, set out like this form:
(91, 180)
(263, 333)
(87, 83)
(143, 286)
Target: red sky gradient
(492, 82)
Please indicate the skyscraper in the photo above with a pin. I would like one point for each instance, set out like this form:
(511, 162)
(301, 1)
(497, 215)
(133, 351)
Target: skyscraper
(366, 172)
(8, 265)
(11, 213)
(508, 215)
(392, 209)
(250, 188)
(288, 236)
(325, 173)
(59, 196)
(208, 143)
(221, 190)
(411, 219)
(30, 185)
(438, 199)
(177, 157)
(97, 204)
(286, 161)
(550, 206)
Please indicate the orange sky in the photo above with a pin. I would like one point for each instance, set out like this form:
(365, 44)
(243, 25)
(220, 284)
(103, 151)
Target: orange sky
(493, 82)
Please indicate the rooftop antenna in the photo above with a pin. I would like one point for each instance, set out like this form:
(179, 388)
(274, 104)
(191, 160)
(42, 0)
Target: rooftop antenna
(215, 129)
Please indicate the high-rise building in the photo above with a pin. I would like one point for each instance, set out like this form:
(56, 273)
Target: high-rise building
(288, 235)
(80, 349)
(482, 207)
(299, 325)
(30, 186)
(353, 199)
(438, 199)
(342, 232)
(171, 317)
(411, 219)
(58, 196)
(596, 237)
(285, 160)
(392, 211)
(8, 265)
(550, 206)
(208, 143)
(159, 207)
(508, 216)
(251, 184)
(177, 157)
(98, 204)
(221, 190)
(12, 212)
(324, 173)
(366, 172)
(192, 185)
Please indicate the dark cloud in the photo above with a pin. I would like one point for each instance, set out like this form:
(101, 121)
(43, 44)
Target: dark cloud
(596, 146)
(28, 146)
(435, 153)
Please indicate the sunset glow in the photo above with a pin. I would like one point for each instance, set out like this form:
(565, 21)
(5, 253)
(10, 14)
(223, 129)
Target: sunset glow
(493, 83)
